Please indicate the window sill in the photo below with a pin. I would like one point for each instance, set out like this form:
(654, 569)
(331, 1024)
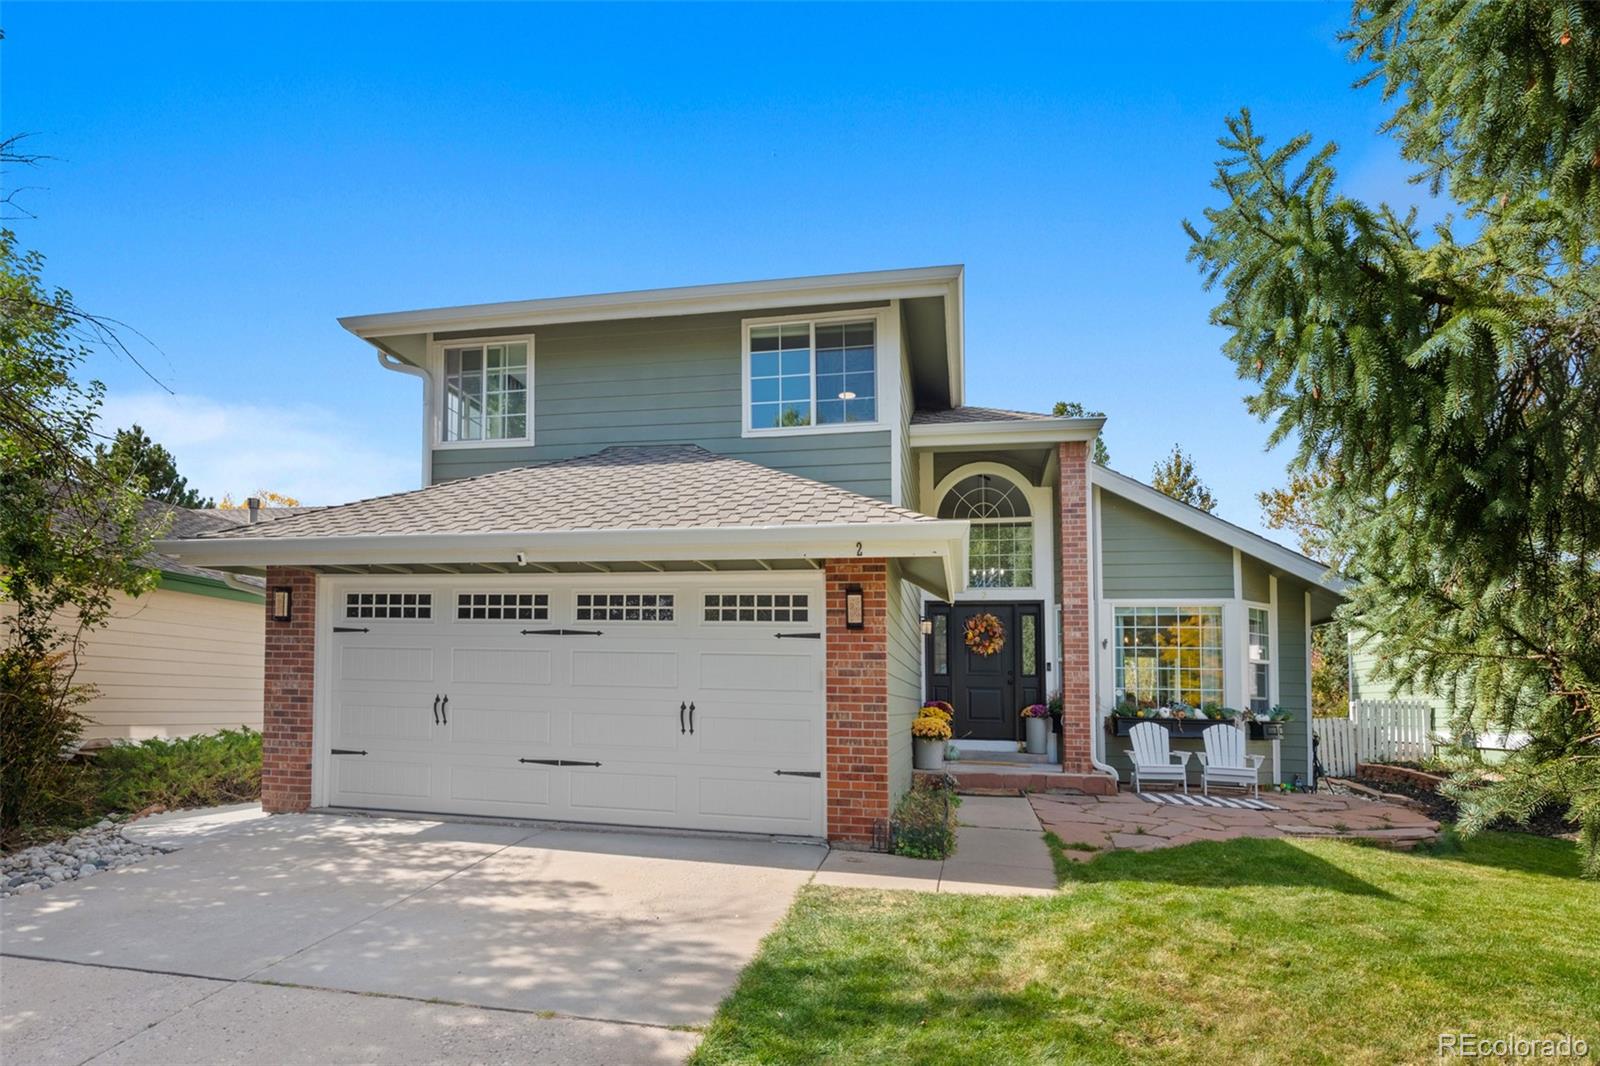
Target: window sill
(508, 442)
(803, 431)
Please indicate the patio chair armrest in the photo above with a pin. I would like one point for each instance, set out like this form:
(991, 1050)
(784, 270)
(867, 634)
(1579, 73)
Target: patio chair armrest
(1256, 760)
(1202, 757)
(1182, 757)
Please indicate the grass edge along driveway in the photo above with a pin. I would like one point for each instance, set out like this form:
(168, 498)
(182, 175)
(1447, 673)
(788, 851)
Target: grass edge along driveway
(1245, 951)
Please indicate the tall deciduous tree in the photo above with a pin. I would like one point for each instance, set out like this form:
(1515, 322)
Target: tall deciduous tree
(73, 534)
(1451, 385)
(132, 449)
(1175, 475)
(1073, 409)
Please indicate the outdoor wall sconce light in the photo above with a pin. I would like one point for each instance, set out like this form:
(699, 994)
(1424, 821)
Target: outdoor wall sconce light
(282, 600)
(927, 626)
(855, 611)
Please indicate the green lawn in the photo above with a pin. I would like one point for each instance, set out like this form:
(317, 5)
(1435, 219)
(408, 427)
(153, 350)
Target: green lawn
(1249, 951)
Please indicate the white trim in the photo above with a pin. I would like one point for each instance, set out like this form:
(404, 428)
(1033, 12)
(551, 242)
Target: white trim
(1004, 433)
(389, 361)
(891, 394)
(321, 690)
(1041, 507)
(876, 315)
(1091, 576)
(1211, 526)
(436, 351)
(1238, 574)
(1310, 752)
(818, 289)
(946, 541)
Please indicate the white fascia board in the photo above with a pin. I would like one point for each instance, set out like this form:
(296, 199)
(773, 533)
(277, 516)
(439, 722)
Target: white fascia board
(1251, 544)
(685, 300)
(1004, 433)
(941, 539)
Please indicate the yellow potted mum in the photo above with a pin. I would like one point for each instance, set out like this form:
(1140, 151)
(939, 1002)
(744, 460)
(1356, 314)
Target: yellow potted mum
(929, 733)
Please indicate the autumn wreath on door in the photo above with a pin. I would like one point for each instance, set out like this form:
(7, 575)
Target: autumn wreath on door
(985, 635)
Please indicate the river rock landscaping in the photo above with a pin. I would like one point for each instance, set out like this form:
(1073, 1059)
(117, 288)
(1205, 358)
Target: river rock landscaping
(86, 853)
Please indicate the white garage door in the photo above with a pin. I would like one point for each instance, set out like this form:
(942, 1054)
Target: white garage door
(670, 702)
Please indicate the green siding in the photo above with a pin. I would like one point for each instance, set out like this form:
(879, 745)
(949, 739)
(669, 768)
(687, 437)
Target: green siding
(1291, 664)
(1253, 579)
(905, 677)
(909, 491)
(1144, 555)
(1364, 687)
(665, 381)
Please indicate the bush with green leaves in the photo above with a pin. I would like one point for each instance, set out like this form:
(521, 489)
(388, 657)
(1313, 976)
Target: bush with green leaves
(198, 771)
(924, 822)
(39, 724)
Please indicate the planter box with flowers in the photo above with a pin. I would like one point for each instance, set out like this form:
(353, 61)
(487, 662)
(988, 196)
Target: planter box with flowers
(930, 732)
(1179, 719)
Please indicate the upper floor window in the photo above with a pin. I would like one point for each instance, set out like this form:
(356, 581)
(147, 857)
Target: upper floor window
(486, 391)
(1000, 540)
(812, 374)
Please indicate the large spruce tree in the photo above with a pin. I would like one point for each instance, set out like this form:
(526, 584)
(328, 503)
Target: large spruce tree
(1448, 384)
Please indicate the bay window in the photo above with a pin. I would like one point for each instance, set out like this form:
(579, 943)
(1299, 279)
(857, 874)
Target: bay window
(1169, 654)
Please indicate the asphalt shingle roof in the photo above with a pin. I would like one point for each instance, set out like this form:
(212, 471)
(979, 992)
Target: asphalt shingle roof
(656, 486)
(188, 522)
(953, 415)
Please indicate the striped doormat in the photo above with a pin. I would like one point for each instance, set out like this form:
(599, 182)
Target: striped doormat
(1178, 799)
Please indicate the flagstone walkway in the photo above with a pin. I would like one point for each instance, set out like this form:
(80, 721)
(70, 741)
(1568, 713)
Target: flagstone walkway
(1090, 825)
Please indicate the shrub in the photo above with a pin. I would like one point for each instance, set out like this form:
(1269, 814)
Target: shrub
(39, 725)
(198, 771)
(924, 822)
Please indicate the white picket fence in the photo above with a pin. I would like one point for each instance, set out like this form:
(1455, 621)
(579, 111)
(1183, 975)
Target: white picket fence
(1376, 731)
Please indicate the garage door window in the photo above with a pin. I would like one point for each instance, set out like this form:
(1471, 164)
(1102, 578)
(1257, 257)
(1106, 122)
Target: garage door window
(502, 606)
(624, 607)
(389, 605)
(757, 607)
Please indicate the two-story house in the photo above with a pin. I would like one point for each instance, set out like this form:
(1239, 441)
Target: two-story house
(693, 557)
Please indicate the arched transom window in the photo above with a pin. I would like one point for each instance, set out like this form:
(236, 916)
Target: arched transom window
(1000, 555)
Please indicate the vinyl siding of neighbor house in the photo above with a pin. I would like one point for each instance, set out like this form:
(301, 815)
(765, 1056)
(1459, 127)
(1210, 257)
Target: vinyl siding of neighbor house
(174, 663)
(905, 677)
(667, 381)
(1144, 555)
(1363, 686)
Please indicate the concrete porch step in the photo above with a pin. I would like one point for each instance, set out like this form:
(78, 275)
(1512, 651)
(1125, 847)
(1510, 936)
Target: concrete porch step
(1000, 758)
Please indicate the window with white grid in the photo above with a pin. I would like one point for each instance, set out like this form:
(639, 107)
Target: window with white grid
(1260, 666)
(389, 605)
(502, 606)
(1167, 654)
(624, 607)
(758, 607)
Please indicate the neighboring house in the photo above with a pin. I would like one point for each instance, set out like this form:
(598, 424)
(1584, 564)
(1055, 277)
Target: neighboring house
(186, 657)
(1365, 686)
(693, 557)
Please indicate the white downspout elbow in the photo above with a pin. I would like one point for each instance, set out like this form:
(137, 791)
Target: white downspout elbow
(400, 366)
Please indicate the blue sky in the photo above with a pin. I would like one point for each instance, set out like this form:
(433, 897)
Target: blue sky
(230, 178)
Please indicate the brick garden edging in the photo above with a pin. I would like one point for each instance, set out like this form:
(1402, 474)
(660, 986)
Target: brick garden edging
(1399, 775)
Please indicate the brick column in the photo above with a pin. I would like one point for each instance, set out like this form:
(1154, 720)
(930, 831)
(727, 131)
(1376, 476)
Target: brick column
(286, 708)
(857, 770)
(1077, 712)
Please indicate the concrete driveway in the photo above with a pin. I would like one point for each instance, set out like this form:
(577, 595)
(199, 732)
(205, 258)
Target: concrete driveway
(324, 939)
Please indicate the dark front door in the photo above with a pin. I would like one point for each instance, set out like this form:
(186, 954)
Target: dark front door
(985, 686)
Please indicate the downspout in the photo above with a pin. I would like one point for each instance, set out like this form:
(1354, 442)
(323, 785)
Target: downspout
(1097, 734)
(390, 362)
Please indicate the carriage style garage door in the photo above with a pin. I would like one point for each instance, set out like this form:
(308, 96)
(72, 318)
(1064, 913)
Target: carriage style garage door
(691, 703)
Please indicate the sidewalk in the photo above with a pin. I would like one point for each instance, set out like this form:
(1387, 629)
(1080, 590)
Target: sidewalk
(1000, 851)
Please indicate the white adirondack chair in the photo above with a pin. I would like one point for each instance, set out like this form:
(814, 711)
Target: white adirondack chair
(1226, 762)
(1152, 757)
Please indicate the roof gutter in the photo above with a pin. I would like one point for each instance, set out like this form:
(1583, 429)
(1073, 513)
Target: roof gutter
(1004, 433)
